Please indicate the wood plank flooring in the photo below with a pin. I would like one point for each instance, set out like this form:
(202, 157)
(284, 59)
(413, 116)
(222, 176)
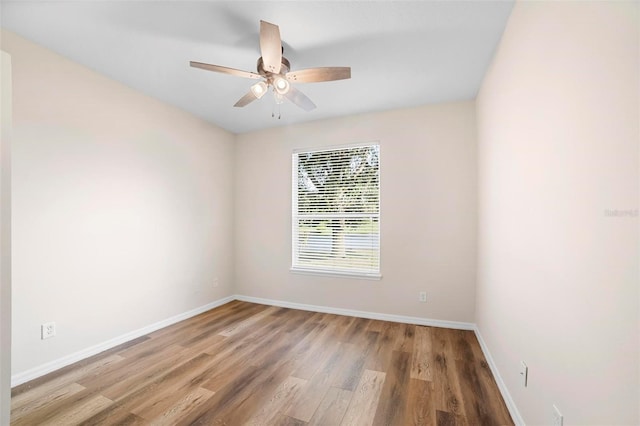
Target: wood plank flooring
(244, 363)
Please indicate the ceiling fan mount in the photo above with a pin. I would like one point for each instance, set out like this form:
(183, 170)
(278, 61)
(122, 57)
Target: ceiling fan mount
(274, 70)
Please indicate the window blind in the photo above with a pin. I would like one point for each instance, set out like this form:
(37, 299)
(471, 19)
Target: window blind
(336, 210)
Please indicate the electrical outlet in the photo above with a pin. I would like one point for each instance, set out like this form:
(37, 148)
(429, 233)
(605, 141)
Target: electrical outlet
(216, 283)
(524, 373)
(422, 296)
(48, 329)
(557, 416)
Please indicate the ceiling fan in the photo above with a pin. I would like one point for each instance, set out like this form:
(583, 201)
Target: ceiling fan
(273, 70)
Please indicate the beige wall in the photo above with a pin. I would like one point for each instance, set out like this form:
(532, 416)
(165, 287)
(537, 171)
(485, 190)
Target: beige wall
(558, 141)
(126, 210)
(5, 237)
(428, 208)
(122, 207)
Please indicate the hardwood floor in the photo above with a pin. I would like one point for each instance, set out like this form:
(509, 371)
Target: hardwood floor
(244, 363)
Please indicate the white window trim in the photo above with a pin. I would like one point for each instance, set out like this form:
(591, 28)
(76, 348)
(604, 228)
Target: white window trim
(345, 274)
(294, 202)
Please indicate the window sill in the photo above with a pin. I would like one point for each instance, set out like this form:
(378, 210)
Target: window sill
(323, 273)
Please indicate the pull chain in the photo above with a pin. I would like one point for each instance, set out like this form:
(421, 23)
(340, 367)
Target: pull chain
(277, 101)
(273, 111)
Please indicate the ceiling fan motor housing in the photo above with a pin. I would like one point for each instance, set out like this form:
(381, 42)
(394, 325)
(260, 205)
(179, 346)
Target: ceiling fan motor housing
(286, 66)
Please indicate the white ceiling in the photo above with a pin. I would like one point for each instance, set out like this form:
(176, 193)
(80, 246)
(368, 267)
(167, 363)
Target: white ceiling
(402, 53)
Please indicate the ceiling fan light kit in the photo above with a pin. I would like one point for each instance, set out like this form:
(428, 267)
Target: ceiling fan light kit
(273, 70)
(259, 89)
(281, 85)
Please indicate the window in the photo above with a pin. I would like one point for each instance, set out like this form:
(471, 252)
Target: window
(336, 211)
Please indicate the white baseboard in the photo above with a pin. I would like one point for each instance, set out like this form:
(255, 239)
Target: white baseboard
(48, 367)
(360, 314)
(56, 364)
(511, 406)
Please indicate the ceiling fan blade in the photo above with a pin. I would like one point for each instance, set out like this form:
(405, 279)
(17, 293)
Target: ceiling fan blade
(313, 75)
(270, 47)
(300, 99)
(245, 100)
(225, 70)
